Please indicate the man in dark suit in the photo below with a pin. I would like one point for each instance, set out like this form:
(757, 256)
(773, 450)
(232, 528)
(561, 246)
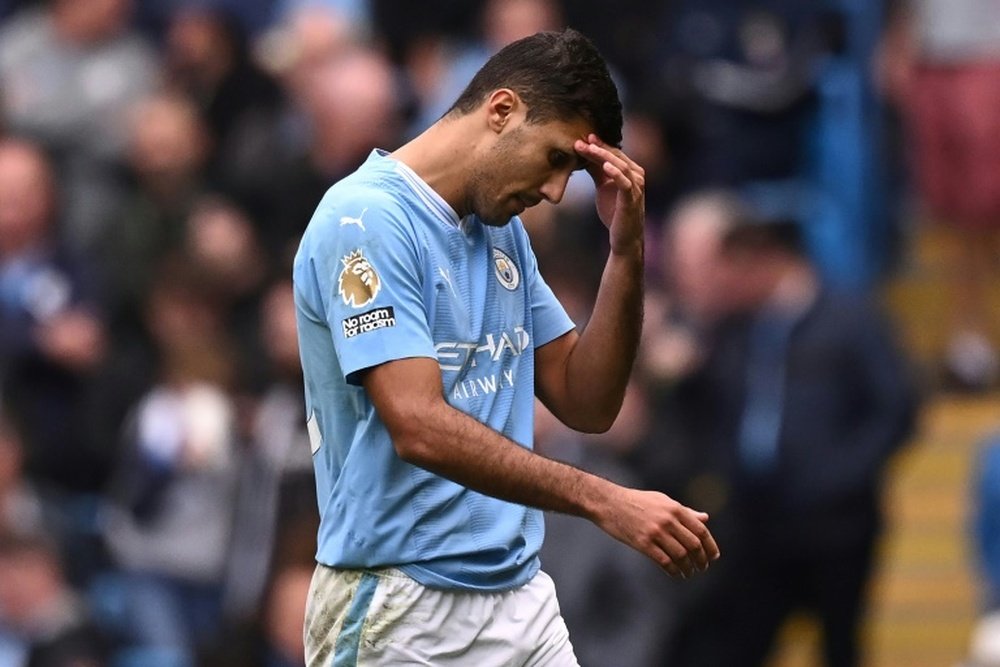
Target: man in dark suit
(802, 399)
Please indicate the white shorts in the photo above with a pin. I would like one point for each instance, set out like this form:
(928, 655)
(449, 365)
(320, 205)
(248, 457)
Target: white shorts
(384, 618)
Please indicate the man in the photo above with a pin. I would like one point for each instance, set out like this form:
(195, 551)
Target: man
(802, 400)
(940, 68)
(43, 620)
(52, 337)
(425, 332)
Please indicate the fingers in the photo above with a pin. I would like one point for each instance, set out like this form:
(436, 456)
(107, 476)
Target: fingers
(618, 153)
(621, 179)
(687, 559)
(676, 537)
(614, 163)
(677, 562)
(701, 542)
(687, 544)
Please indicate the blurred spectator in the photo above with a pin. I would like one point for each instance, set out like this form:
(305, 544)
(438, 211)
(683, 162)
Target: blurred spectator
(208, 58)
(221, 241)
(43, 622)
(616, 605)
(284, 617)
(274, 638)
(168, 525)
(772, 97)
(52, 338)
(440, 66)
(739, 77)
(350, 105)
(683, 303)
(276, 517)
(803, 397)
(306, 35)
(69, 70)
(167, 154)
(223, 246)
(172, 211)
(941, 67)
(645, 138)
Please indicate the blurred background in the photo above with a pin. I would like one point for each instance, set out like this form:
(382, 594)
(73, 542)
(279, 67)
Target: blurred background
(819, 366)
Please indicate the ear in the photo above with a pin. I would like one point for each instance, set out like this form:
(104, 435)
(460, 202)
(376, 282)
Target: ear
(501, 105)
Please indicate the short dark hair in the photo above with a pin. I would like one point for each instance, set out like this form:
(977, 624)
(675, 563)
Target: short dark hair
(559, 75)
(759, 233)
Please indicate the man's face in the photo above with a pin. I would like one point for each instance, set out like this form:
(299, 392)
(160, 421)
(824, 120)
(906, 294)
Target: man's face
(528, 163)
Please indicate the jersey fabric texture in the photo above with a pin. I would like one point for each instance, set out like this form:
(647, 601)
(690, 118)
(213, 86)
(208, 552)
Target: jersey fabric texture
(386, 270)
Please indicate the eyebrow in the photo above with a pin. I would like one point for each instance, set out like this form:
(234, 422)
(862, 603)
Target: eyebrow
(581, 162)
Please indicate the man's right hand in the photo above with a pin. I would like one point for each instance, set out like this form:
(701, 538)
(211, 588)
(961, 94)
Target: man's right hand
(675, 536)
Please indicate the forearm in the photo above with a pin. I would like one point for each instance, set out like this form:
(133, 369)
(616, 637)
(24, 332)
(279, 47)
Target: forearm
(582, 379)
(426, 431)
(598, 368)
(453, 445)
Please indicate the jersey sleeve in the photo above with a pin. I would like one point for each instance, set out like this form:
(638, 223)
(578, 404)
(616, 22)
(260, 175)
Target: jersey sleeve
(367, 265)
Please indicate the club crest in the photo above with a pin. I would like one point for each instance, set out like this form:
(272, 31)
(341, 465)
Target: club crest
(506, 270)
(359, 282)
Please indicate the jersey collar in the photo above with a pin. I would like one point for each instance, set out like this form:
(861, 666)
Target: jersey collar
(434, 202)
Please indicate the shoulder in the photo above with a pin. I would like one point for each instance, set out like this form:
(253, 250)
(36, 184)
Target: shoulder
(855, 318)
(360, 216)
(362, 208)
(374, 185)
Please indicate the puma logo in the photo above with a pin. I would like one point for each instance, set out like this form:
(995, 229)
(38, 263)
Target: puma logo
(348, 220)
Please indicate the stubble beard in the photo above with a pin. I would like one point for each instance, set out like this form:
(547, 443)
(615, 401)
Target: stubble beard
(486, 209)
(485, 182)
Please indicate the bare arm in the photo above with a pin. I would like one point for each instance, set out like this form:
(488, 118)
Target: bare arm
(582, 378)
(427, 432)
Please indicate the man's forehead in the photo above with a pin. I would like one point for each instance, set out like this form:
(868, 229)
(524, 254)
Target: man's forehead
(565, 134)
(579, 128)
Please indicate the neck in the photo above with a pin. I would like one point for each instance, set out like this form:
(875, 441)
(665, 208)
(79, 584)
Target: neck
(442, 156)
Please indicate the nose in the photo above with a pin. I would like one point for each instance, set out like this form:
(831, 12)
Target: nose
(555, 187)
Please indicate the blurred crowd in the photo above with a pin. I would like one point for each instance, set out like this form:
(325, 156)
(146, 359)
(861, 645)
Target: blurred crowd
(160, 158)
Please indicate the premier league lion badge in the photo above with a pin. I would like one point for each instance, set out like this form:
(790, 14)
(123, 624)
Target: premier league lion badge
(359, 282)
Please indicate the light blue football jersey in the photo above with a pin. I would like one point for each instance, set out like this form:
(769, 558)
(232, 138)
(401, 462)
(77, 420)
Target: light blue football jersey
(386, 270)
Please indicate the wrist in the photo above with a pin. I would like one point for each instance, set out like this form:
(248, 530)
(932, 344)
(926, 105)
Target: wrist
(596, 500)
(633, 250)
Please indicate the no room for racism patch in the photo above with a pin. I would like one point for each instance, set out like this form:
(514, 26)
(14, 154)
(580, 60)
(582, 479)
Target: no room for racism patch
(379, 318)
